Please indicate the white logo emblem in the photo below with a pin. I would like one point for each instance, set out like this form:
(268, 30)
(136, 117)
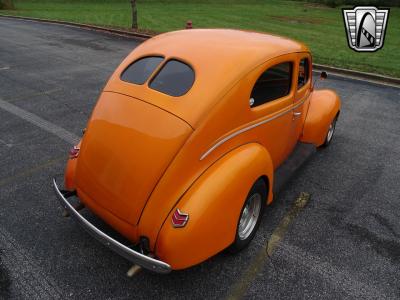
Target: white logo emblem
(365, 27)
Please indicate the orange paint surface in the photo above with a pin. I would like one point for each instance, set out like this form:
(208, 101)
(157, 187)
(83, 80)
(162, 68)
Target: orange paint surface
(145, 153)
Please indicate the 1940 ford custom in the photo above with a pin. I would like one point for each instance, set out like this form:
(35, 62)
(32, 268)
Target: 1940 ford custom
(180, 151)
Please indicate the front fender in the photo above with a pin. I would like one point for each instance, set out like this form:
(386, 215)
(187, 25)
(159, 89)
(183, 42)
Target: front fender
(214, 203)
(324, 107)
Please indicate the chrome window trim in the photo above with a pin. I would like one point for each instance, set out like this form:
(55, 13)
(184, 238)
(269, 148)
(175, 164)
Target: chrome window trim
(240, 131)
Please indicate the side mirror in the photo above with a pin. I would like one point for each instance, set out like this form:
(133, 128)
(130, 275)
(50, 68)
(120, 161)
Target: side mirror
(322, 76)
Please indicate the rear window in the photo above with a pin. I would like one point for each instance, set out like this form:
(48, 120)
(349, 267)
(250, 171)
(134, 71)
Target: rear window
(175, 78)
(139, 71)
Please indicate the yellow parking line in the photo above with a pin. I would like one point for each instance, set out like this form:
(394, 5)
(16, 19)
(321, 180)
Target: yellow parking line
(31, 170)
(239, 289)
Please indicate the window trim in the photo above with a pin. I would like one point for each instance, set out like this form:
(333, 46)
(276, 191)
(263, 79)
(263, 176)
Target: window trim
(291, 88)
(162, 65)
(151, 74)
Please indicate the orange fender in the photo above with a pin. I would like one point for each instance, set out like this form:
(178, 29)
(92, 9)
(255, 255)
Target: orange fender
(214, 203)
(324, 107)
(69, 174)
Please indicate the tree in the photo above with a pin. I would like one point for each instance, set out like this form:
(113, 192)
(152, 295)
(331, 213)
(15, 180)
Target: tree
(6, 4)
(134, 15)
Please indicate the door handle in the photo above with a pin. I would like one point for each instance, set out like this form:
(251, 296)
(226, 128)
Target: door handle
(296, 114)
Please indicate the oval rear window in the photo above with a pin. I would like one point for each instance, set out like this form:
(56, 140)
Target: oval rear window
(175, 78)
(139, 71)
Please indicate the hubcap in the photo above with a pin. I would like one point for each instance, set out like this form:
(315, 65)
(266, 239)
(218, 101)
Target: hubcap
(249, 217)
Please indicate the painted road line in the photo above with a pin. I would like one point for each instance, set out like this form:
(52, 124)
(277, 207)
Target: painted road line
(63, 134)
(239, 289)
(32, 170)
(26, 279)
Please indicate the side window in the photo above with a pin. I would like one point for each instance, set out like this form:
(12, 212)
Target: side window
(273, 84)
(139, 71)
(304, 72)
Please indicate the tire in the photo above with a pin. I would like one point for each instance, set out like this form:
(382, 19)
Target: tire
(247, 225)
(330, 133)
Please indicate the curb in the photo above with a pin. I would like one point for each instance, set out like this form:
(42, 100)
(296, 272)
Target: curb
(346, 73)
(139, 35)
(370, 77)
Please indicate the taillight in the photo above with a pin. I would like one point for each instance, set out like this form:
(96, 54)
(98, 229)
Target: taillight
(179, 219)
(74, 152)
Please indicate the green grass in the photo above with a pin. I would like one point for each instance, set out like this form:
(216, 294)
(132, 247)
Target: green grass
(319, 26)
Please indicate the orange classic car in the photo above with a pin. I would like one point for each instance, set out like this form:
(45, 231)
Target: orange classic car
(180, 152)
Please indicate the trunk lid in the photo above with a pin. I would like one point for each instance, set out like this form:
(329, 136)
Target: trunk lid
(126, 149)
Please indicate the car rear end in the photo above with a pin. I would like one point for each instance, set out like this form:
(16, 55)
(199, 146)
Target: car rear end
(130, 140)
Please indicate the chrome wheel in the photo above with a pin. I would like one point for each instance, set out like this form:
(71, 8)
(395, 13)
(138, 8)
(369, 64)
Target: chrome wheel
(250, 214)
(330, 132)
(249, 217)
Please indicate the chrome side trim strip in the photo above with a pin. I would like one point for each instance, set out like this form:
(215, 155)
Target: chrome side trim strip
(131, 255)
(240, 131)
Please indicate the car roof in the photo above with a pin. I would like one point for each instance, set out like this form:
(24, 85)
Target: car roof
(219, 58)
(225, 44)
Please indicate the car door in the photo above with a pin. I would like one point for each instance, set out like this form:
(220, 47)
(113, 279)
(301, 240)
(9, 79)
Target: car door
(271, 101)
(302, 94)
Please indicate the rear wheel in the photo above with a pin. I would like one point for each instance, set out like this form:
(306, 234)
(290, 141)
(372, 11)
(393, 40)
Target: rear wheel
(250, 216)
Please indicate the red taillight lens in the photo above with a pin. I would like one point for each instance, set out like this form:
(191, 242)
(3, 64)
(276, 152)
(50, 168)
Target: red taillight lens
(74, 152)
(179, 219)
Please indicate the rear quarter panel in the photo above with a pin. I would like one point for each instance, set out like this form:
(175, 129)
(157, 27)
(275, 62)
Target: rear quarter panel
(214, 203)
(69, 173)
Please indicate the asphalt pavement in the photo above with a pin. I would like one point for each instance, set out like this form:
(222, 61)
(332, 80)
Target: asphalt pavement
(344, 244)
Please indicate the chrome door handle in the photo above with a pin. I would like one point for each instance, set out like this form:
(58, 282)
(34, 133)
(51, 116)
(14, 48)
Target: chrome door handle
(296, 115)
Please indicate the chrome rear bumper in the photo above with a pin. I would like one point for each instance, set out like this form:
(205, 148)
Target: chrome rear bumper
(131, 255)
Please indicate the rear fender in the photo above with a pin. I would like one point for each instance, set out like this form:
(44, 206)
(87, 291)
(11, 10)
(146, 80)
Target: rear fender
(214, 203)
(69, 174)
(324, 107)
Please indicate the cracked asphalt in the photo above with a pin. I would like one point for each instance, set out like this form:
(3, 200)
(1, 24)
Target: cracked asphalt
(344, 244)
